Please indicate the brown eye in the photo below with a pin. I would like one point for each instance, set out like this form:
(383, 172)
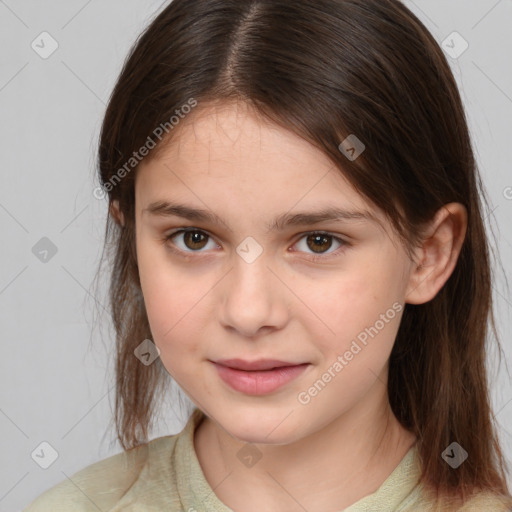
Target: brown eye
(192, 240)
(319, 242)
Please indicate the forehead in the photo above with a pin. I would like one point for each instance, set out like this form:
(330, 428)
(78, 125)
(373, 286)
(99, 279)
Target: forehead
(235, 129)
(229, 153)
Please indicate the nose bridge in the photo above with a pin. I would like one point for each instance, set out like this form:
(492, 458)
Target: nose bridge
(252, 298)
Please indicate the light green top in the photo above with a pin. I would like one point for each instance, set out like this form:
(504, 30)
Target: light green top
(165, 474)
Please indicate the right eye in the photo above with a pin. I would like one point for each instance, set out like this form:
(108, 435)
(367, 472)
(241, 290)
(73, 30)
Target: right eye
(193, 240)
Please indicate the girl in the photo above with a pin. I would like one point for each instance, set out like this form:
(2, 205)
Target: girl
(299, 242)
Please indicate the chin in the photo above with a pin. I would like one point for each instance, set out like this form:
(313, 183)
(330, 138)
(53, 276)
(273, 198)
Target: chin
(260, 437)
(257, 427)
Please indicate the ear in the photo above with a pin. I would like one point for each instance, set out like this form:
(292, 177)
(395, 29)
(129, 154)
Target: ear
(116, 212)
(438, 254)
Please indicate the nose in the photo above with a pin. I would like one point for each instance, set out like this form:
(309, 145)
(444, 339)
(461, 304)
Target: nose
(254, 298)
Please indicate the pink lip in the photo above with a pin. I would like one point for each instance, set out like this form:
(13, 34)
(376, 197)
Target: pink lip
(260, 364)
(257, 377)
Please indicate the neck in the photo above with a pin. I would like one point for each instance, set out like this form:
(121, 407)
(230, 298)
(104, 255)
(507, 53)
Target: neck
(329, 470)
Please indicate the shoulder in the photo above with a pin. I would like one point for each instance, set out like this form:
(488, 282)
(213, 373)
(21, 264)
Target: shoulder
(423, 498)
(101, 485)
(486, 500)
(482, 501)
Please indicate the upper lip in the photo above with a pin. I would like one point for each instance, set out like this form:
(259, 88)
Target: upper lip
(260, 364)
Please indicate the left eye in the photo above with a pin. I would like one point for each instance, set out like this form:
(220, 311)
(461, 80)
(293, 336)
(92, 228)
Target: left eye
(194, 240)
(320, 242)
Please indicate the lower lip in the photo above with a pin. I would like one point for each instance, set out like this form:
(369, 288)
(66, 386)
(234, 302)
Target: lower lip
(259, 382)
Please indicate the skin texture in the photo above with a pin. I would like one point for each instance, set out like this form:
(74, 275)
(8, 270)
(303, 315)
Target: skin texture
(207, 302)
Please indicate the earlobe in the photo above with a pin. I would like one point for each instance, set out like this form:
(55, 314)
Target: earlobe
(116, 212)
(438, 254)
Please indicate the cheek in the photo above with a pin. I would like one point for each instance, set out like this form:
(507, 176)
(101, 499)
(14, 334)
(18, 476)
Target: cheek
(173, 302)
(359, 306)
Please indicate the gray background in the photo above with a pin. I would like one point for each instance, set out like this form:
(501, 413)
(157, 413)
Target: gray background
(56, 379)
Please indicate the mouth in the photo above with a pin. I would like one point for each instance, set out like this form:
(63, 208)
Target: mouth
(258, 377)
(260, 364)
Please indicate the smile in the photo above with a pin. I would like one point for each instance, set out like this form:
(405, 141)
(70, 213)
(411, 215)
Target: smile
(258, 381)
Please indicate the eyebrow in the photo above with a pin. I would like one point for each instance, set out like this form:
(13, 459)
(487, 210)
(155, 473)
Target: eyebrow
(168, 209)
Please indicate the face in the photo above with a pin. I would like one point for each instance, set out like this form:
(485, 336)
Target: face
(257, 279)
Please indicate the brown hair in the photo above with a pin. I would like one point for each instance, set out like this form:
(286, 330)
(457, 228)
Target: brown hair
(325, 69)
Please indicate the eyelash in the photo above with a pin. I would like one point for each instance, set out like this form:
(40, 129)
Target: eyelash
(311, 257)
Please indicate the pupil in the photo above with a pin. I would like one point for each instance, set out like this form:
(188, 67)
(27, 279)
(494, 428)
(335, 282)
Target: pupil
(319, 240)
(195, 238)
